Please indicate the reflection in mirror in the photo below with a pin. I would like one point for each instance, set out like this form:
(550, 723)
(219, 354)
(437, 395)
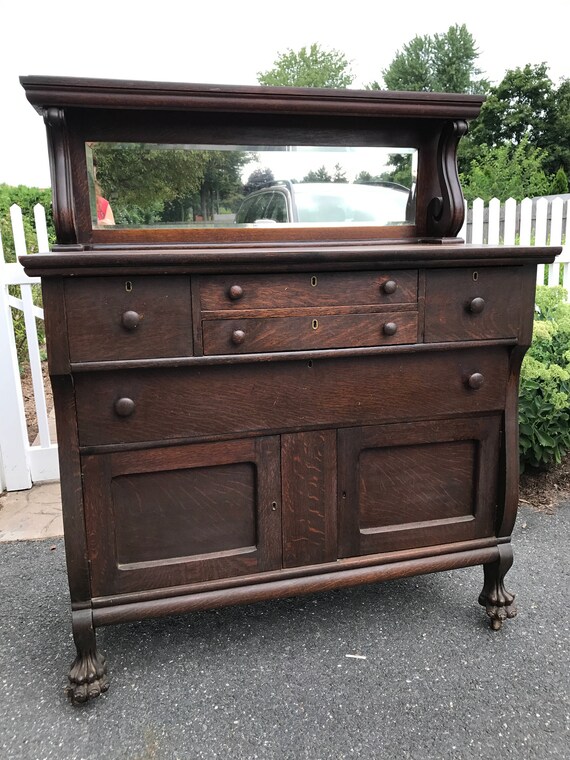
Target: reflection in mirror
(195, 186)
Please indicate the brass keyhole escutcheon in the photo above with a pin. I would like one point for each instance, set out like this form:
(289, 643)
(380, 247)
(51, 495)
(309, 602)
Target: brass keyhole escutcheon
(315, 324)
(314, 282)
(128, 286)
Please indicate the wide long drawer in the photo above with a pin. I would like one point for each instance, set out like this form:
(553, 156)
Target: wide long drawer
(162, 404)
(241, 336)
(283, 291)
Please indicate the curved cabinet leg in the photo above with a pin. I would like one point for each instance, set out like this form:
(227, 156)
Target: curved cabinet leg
(88, 674)
(494, 597)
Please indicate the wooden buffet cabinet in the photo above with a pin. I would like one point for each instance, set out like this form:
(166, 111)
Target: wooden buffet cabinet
(251, 411)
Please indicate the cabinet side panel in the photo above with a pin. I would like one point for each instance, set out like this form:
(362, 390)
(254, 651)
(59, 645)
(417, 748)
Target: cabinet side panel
(309, 497)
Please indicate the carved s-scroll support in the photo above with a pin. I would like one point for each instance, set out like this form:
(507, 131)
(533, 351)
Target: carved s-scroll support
(61, 181)
(88, 675)
(494, 597)
(445, 213)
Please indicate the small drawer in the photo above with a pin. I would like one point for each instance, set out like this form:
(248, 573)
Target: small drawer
(473, 304)
(245, 336)
(111, 318)
(286, 291)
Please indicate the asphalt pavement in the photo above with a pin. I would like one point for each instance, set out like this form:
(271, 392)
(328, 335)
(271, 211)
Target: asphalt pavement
(403, 669)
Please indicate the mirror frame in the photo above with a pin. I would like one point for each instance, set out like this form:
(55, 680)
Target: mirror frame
(79, 110)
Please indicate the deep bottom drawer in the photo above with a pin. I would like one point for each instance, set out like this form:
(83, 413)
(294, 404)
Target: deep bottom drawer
(161, 404)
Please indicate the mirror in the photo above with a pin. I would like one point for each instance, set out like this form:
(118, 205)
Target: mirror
(152, 185)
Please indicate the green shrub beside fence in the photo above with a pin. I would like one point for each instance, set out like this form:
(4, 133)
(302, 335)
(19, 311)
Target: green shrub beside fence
(544, 407)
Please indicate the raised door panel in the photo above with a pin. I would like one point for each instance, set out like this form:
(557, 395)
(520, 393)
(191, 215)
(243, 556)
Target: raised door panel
(420, 484)
(172, 516)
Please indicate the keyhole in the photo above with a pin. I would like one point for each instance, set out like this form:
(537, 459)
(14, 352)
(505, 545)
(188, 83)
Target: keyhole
(315, 324)
(313, 282)
(310, 364)
(475, 276)
(128, 286)
(274, 505)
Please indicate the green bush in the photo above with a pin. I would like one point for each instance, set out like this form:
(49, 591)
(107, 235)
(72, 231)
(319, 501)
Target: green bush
(544, 401)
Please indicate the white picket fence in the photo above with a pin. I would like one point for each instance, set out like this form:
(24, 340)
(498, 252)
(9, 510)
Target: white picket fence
(22, 463)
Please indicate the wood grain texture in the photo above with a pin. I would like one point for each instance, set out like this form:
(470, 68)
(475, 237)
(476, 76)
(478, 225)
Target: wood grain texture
(318, 289)
(449, 295)
(308, 476)
(315, 331)
(282, 396)
(418, 484)
(183, 514)
(292, 587)
(96, 309)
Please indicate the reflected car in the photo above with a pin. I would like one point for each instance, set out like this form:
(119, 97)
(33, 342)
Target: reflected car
(327, 203)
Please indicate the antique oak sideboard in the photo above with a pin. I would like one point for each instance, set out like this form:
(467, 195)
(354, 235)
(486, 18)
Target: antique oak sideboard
(320, 396)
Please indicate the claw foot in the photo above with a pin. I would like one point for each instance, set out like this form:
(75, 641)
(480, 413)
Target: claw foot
(497, 601)
(499, 605)
(87, 677)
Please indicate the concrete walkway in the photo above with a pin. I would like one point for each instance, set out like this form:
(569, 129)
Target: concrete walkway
(32, 514)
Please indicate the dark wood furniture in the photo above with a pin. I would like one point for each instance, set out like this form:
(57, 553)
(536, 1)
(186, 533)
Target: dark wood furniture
(250, 413)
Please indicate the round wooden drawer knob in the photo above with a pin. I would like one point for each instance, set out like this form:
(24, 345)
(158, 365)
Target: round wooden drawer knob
(130, 320)
(124, 407)
(389, 287)
(235, 292)
(477, 305)
(475, 381)
(390, 328)
(238, 337)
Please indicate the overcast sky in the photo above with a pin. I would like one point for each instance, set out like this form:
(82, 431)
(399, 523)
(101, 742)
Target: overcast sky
(229, 42)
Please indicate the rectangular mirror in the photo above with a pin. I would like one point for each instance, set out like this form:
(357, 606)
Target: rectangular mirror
(152, 185)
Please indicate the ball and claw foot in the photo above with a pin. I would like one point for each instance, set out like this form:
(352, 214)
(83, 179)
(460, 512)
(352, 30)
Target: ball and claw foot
(87, 677)
(498, 603)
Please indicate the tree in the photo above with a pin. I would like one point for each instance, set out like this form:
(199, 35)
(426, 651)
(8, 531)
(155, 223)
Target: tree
(339, 174)
(320, 175)
(506, 171)
(442, 63)
(525, 103)
(559, 183)
(520, 105)
(257, 179)
(314, 67)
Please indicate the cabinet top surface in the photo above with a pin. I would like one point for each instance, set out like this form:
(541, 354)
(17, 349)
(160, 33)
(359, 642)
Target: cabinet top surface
(284, 258)
(47, 91)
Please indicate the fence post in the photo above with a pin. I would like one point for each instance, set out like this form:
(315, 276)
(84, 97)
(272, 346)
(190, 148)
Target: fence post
(477, 221)
(555, 239)
(13, 428)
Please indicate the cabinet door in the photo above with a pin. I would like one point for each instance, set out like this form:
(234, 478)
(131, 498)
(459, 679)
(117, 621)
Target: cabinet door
(177, 515)
(417, 484)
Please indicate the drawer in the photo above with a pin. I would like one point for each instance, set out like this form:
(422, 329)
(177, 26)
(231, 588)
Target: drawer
(469, 304)
(128, 318)
(199, 402)
(285, 291)
(244, 336)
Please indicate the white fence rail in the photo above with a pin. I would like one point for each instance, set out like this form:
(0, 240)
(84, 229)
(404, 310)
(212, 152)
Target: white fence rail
(22, 463)
(532, 222)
